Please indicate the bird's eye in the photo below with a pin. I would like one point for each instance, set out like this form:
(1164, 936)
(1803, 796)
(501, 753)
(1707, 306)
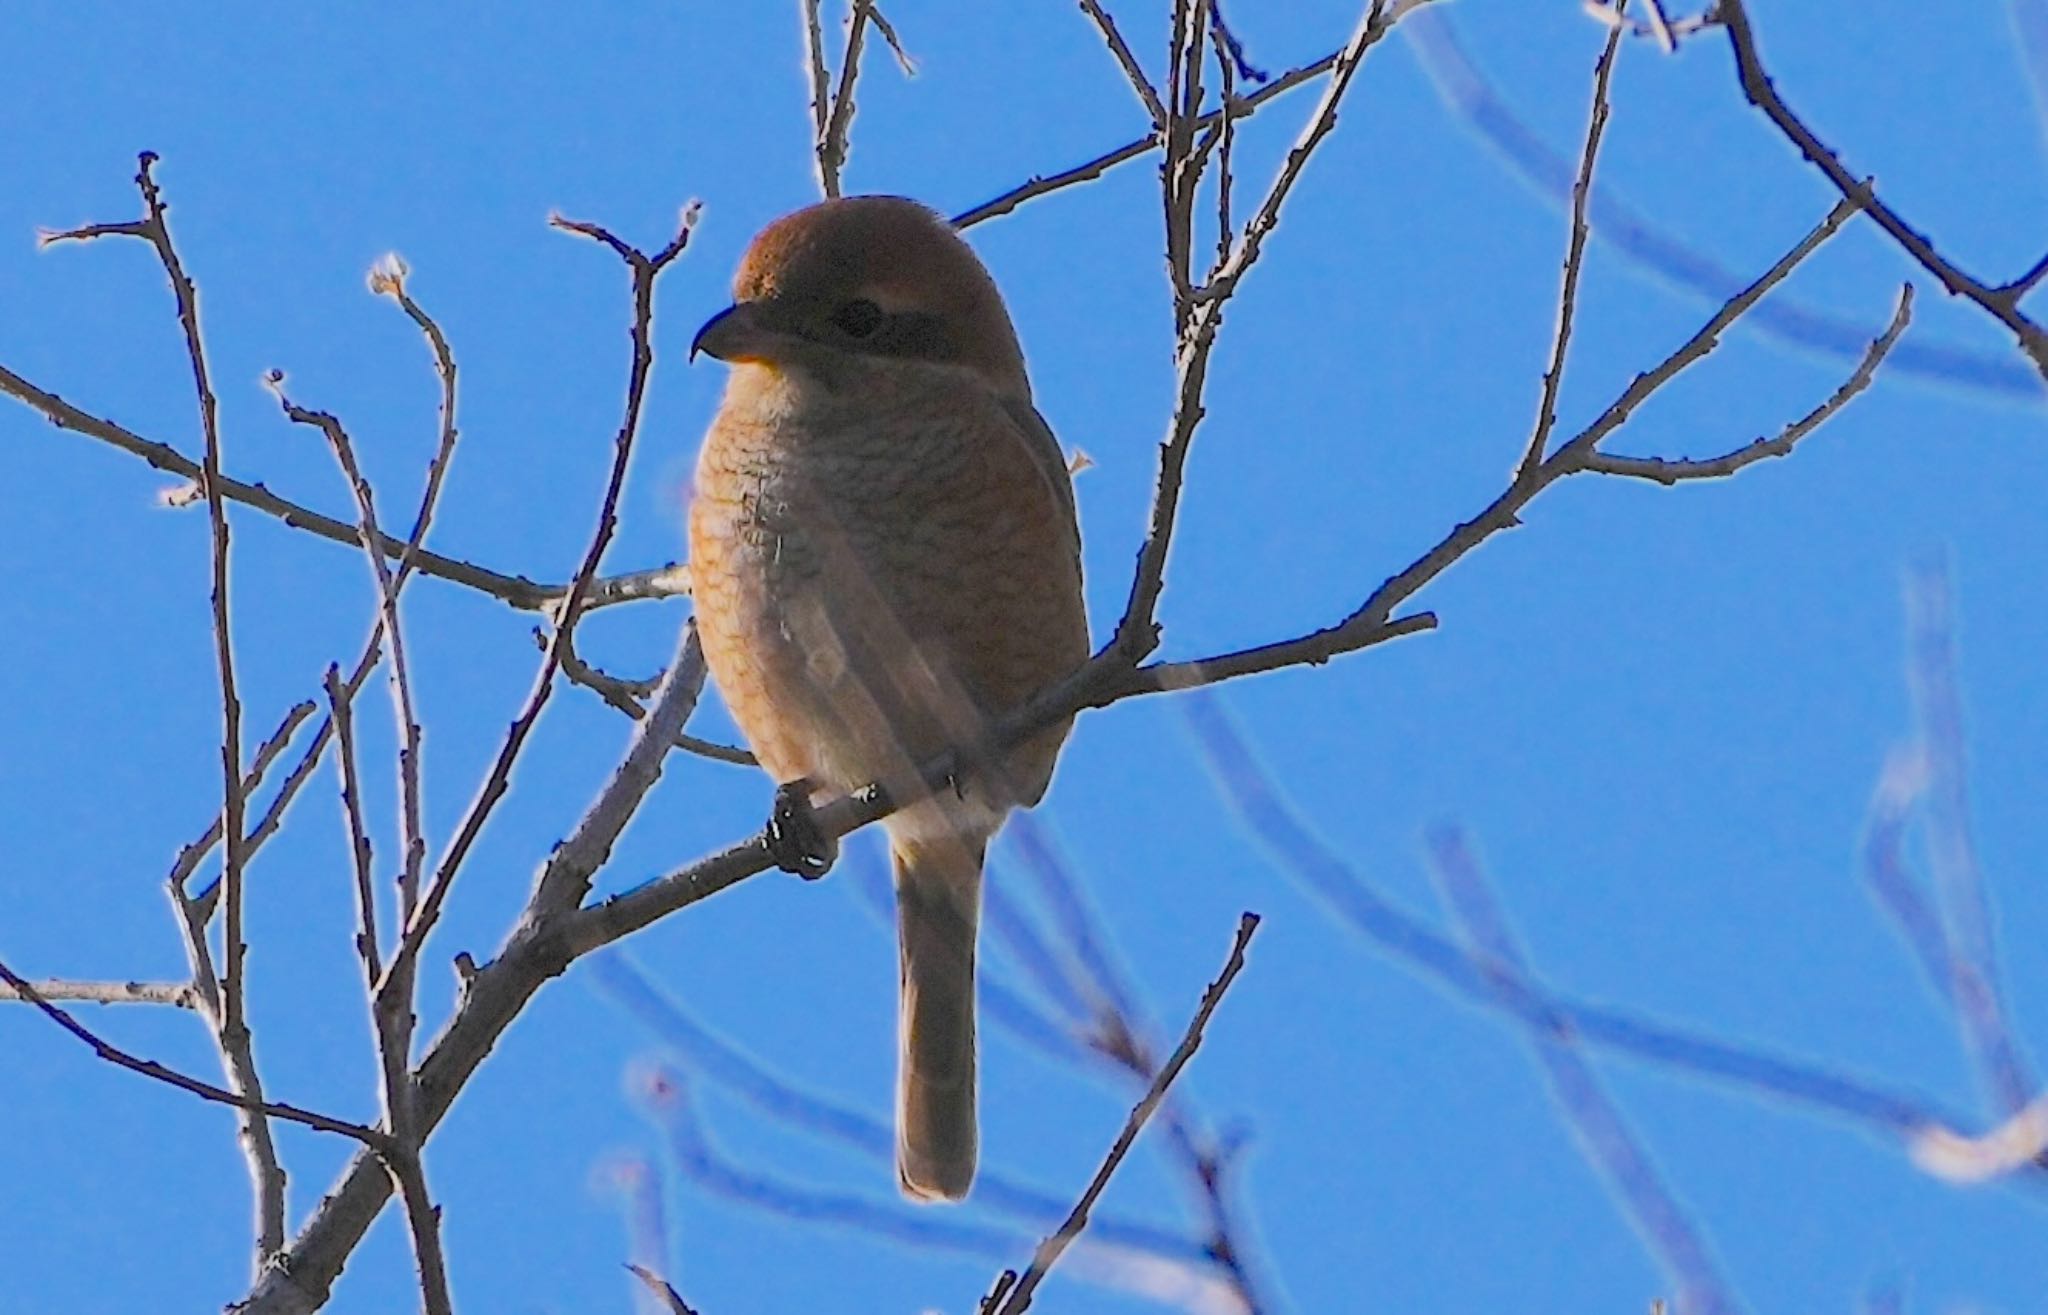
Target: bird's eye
(858, 318)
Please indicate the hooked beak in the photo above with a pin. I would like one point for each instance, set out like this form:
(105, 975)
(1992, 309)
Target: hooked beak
(734, 334)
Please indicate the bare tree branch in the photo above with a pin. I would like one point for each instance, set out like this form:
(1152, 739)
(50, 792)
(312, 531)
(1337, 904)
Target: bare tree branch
(663, 1290)
(341, 714)
(196, 850)
(712, 1059)
(1669, 471)
(2016, 1145)
(625, 695)
(388, 278)
(230, 1019)
(423, 1220)
(2002, 304)
(832, 112)
(1089, 170)
(1148, 95)
(387, 603)
(494, 995)
(1199, 312)
(1174, 1275)
(1012, 1293)
(1975, 991)
(644, 269)
(1603, 1134)
(179, 995)
(514, 590)
(821, 83)
(1118, 1030)
(390, 998)
(1574, 256)
(1898, 1116)
(558, 925)
(1471, 97)
(21, 988)
(1660, 26)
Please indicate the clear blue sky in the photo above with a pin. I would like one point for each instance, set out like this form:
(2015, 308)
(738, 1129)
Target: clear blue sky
(1660, 713)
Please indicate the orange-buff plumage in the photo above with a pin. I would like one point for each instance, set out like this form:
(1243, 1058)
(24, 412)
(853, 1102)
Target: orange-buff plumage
(884, 557)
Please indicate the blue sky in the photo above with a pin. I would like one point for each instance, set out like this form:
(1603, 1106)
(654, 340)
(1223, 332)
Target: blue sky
(1660, 714)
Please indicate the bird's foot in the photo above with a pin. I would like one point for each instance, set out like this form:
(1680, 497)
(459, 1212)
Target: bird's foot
(795, 840)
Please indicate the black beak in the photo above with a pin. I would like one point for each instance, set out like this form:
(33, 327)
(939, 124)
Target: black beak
(725, 335)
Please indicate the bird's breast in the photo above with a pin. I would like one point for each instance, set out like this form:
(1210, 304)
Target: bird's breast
(875, 567)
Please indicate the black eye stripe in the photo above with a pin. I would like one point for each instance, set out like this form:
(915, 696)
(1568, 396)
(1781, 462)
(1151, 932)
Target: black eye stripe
(858, 318)
(912, 333)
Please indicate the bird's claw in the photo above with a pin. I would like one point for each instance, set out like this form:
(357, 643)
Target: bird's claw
(795, 840)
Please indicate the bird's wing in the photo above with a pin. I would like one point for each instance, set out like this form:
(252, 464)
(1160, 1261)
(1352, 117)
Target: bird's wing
(1049, 460)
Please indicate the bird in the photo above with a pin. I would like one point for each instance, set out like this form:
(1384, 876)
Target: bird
(885, 558)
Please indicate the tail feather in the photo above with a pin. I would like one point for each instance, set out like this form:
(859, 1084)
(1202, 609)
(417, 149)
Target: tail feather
(938, 906)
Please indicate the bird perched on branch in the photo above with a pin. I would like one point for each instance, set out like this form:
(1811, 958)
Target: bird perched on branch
(885, 559)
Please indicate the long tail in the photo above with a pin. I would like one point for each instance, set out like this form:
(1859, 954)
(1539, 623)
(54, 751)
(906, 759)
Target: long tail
(938, 906)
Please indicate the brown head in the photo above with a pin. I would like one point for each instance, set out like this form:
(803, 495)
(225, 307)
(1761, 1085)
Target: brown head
(875, 276)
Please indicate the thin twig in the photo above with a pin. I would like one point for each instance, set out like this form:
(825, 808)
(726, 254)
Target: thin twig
(1248, 788)
(1668, 471)
(663, 1290)
(423, 1221)
(1200, 315)
(821, 82)
(341, 714)
(625, 695)
(387, 278)
(638, 1184)
(1173, 1274)
(1012, 1293)
(229, 1019)
(833, 128)
(1976, 993)
(180, 995)
(1180, 172)
(1148, 95)
(1660, 26)
(1574, 256)
(1477, 104)
(1757, 87)
(234, 1027)
(493, 996)
(1900, 786)
(515, 590)
(23, 989)
(1603, 1134)
(1089, 170)
(1702, 343)
(904, 63)
(1118, 1031)
(2026, 282)
(1241, 65)
(1373, 27)
(196, 850)
(2016, 1145)
(834, 144)
(644, 269)
(387, 603)
(1227, 61)
(390, 998)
